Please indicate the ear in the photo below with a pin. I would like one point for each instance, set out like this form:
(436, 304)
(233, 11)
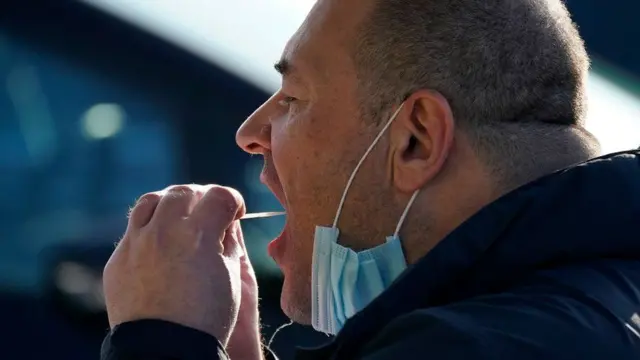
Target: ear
(421, 138)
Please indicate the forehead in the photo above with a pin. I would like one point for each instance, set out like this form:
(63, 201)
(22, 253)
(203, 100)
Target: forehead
(322, 44)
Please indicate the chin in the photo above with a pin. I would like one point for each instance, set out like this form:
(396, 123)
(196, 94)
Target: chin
(295, 303)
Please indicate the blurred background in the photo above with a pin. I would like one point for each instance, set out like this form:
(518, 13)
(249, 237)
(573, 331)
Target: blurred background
(104, 100)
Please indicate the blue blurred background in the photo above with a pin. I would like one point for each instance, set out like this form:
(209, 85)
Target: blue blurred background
(103, 100)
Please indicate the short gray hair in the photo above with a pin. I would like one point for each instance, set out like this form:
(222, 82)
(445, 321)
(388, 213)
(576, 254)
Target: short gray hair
(512, 70)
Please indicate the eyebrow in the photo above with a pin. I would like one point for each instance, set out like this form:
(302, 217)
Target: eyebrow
(289, 71)
(283, 66)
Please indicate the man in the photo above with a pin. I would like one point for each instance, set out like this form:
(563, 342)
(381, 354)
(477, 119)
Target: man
(443, 201)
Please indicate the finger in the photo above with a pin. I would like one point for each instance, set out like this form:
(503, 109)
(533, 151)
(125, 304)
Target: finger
(237, 230)
(177, 202)
(231, 246)
(143, 210)
(215, 212)
(218, 208)
(247, 269)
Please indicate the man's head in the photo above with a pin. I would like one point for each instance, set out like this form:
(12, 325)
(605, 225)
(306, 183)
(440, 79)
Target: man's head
(493, 96)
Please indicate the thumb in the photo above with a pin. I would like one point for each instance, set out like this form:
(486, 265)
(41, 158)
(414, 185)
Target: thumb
(237, 228)
(247, 271)
(233, 244)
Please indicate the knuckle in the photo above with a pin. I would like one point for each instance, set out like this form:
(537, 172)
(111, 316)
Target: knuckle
(149, 198)
(145, 201)
(225, 197)
(143, 207)
(181, 190)
(179, 194)
(223, 201)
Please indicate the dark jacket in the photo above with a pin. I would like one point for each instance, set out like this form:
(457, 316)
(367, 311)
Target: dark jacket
(548, 271)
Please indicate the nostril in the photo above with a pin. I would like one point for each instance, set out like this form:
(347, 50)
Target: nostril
(254, 137)
(252, 147)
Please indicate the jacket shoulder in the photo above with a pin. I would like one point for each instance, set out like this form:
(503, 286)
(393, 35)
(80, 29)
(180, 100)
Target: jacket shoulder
(534, 322)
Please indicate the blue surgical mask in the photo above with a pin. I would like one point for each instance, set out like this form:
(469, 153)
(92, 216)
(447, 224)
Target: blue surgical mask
(343, 281)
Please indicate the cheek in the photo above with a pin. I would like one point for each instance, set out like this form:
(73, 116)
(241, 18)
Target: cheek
(306, 153)
(302, 149)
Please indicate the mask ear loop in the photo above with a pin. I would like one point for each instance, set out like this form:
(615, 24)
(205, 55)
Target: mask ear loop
(273, 336)
(353, 174)
(405, 212)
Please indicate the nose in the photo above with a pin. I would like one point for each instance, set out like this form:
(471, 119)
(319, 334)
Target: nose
(254, 135)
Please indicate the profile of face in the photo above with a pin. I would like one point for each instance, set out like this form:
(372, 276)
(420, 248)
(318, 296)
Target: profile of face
(312, 134)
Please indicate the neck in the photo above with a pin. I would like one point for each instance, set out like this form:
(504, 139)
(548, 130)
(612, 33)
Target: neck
(460, 190)
(468, 184)
(528, 152)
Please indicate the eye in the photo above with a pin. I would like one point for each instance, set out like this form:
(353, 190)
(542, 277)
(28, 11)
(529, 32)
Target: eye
(286, 101)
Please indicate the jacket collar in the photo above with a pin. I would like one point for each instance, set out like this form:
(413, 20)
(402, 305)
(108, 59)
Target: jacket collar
(588, 211)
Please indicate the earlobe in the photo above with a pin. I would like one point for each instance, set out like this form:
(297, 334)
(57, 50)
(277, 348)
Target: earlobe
(422, 138)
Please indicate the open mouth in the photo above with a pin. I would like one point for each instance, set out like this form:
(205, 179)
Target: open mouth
(270, 179)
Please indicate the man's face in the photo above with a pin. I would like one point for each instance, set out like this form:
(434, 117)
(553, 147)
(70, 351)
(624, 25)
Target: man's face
(312, 135)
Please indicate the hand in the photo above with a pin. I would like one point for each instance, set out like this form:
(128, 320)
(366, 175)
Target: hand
(245, 341)
(179, 260)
